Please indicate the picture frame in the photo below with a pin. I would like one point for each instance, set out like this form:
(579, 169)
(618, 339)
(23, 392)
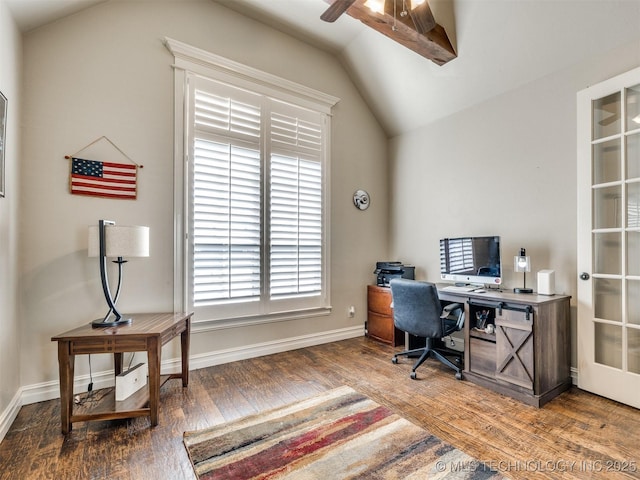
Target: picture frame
(3, 137)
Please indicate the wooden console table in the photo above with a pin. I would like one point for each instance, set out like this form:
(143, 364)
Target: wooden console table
(147, 332)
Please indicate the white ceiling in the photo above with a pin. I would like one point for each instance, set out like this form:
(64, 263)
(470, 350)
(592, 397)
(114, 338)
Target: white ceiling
(501, 45)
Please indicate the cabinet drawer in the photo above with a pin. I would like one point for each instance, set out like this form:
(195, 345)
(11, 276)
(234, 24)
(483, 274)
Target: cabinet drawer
(380, 327)
(379, 300)
(482, 357)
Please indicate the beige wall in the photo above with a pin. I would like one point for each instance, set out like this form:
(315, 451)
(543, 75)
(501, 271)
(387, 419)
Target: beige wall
(10, 67)
(504, 167)
(105, 71)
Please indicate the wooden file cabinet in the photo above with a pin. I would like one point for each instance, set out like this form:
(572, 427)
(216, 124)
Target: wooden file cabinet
(380, 317)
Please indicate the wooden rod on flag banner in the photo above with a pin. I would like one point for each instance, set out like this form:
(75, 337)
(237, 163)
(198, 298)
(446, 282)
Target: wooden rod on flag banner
(108, 140)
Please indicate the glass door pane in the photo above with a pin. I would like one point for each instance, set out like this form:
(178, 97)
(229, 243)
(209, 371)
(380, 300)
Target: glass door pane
(633, 350)
(606, 116)
(607, 208)
(633, 107)
(633, 302)
(633, 205)
(609, 345)
(607, 299)
(633, 254)
(607, 253)
(633, 155)
(606, 162)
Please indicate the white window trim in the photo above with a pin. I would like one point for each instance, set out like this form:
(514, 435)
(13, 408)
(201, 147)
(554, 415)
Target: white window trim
(206, 63)
(189, 59)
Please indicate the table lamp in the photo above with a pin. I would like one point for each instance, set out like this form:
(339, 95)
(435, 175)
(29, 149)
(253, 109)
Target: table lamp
(114, 241)
(522, 263)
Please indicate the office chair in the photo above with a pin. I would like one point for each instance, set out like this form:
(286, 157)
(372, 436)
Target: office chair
(417, 311)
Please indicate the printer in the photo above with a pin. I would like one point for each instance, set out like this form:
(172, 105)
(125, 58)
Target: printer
(387, 271)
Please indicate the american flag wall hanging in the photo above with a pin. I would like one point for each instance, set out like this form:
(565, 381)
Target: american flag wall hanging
(103, 179)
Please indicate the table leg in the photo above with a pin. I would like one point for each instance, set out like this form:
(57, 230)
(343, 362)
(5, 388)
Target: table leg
(66, 363)
(154, 351)
(117, 363)
(184, 351)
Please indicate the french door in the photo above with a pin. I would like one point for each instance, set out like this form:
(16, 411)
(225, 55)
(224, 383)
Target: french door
(609, 238)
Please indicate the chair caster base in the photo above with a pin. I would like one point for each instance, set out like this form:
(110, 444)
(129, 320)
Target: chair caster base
(414, 375)
(394, 360)
(459, 376)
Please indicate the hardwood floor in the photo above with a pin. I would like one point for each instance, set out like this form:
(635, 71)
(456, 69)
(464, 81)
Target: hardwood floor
(576, 435)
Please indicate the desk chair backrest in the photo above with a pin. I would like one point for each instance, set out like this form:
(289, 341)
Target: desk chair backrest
(417, 308)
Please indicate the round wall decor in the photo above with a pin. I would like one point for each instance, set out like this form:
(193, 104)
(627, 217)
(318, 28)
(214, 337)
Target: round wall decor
(361, 199)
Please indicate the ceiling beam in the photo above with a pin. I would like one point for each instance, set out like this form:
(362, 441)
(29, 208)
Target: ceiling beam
(417, 31)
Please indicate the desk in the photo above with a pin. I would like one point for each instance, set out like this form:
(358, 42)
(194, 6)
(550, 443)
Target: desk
(147, 332)
(528, 356)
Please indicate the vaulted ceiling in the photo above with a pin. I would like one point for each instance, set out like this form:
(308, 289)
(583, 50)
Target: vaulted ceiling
(500, 45)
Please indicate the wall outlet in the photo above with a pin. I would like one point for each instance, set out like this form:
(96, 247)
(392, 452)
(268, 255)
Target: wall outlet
(351, 311)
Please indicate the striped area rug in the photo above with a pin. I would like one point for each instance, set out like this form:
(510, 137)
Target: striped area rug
(338, 434)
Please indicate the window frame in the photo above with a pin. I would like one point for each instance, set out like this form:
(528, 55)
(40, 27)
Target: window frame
(190, 61)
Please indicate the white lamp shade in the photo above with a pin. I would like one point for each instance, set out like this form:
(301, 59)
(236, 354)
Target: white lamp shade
(521, 264)
(120, 241)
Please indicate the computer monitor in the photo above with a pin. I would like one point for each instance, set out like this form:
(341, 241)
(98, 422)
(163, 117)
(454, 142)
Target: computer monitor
(473, 260)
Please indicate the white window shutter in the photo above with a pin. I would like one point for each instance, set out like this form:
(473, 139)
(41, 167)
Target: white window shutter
(257, 203)
(226, 196)
(226, 222)
(296, 202)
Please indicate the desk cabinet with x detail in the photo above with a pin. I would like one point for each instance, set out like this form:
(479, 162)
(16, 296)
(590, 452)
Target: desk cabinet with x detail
(526, 354)
(514, 348)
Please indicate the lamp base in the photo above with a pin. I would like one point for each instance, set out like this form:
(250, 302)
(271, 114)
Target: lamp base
(102, 323)
(523, 290)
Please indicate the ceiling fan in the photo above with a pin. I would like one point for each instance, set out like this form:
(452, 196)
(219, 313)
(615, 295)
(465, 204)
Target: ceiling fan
(336, 9)
(414, 13)
(408, 22)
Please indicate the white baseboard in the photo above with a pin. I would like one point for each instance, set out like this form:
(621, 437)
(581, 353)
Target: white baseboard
(219, 357)
(40, 392)
(10, 413)
(574, 375)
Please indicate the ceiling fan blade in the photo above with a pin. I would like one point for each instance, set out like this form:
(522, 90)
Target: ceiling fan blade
(337, 8)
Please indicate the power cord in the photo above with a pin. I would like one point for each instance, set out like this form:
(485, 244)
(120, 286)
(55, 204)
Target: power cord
(90, 387)
(133, 354)
(78, 400)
